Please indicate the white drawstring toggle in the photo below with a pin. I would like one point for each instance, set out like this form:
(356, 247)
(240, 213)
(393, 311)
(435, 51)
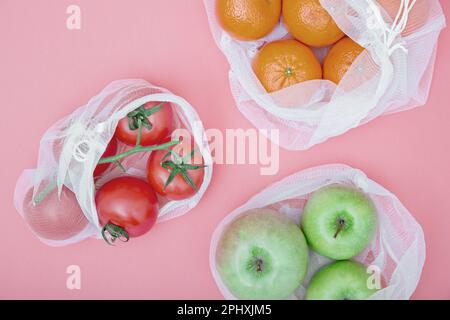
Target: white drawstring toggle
(390, 33)
(81, 150)
(83, 140)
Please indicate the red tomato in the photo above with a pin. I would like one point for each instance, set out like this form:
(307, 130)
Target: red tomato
(110, 150)
(55, 218)
(155, 127)
(172, 178)
(126, 207)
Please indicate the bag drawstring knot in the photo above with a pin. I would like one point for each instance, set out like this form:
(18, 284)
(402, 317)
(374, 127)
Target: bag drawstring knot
(391, 32)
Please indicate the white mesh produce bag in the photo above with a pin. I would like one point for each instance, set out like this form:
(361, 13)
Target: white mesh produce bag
(398, 247)
(70, 150)
(393, 73)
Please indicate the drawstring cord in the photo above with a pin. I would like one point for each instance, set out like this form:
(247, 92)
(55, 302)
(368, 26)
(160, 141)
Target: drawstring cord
(397, 27)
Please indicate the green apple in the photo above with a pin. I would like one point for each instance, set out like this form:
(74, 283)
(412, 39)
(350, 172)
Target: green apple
(262, 255)
(341, 280)
(339, 221)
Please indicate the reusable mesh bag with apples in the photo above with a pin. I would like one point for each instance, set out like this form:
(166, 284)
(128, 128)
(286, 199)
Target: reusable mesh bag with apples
(396, 251)
(392, 74)
(57, 199)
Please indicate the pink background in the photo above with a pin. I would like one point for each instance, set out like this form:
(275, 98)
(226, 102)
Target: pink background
(46, 71)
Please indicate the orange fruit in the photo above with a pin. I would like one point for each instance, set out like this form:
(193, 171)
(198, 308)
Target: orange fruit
(340, 58)
(248, 19)
(417, 17)
(283, 63)
(310, 23)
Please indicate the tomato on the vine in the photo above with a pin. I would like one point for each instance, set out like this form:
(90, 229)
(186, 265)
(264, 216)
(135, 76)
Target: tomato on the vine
(156, 120)
(176, 174)
(54, 217)
(127, 207)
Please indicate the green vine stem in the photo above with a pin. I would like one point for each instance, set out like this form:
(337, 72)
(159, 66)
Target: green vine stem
(137, 120)
(138, 149)
(120, 166)
(37, 200)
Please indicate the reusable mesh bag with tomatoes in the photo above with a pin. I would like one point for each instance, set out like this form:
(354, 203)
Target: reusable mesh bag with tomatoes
(314, 69)
(327, 232)
(135, 154)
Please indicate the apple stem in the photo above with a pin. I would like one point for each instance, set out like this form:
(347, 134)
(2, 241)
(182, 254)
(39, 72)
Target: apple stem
(341, 226)
(259, 265)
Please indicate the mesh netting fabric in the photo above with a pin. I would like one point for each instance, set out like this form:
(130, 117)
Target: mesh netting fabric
(393, 73)
(70, 150)
(398, 248)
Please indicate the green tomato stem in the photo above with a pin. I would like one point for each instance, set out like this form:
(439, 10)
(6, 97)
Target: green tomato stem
(120, 166)
(112, 232)
(139, 136)
(37, 200)
(44, 193)
(137, 149)
(133, 116)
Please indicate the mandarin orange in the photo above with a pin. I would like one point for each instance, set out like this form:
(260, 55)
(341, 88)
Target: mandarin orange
(284, 63)
(248, 19)
(340, 58)
(310, 23)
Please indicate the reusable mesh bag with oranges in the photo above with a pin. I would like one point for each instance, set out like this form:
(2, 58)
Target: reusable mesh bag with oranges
(79, 155)
(314, 69)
